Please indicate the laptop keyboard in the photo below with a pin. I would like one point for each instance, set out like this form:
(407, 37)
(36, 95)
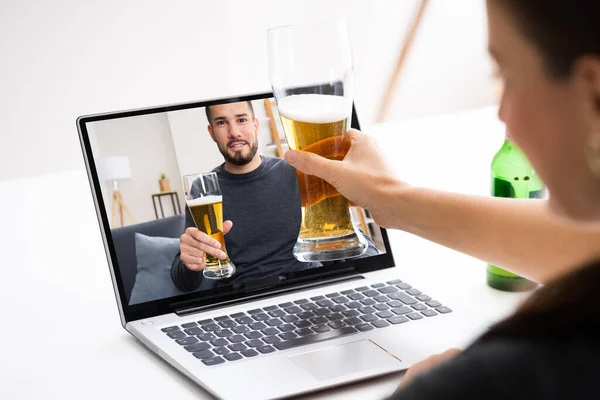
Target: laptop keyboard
(266, 330)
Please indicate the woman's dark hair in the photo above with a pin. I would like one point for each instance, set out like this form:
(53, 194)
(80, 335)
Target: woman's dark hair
(561, 30)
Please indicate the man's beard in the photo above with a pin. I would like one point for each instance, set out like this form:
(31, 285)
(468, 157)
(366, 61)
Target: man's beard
(238, 157)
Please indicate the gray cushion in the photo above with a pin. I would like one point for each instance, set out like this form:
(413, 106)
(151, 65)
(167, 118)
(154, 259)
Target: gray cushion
(154, 258)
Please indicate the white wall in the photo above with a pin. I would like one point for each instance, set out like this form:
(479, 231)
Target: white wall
(65, 58)
(146, 141)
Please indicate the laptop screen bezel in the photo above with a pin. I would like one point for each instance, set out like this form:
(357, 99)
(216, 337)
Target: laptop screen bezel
(164, 306)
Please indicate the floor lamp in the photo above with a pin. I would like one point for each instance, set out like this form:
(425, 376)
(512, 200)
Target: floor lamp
(114, 169)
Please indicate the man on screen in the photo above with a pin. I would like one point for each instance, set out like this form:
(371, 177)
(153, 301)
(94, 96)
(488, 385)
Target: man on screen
(261, 207)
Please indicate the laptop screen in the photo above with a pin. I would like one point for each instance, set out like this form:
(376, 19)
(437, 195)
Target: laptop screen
(137, 160)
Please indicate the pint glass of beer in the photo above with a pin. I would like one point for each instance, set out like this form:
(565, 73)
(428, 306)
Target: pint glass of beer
(205, 203)
(312, 78)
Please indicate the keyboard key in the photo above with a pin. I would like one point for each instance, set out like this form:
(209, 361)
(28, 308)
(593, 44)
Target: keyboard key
(414, 316)
(382, 298)
(244, 320)
(266, 349)
(304, 332)
(419, 306)
(354, 304)
(271, 339)
(369, 318)
(187, 340)
(237, 339)
(233, 357)
(385, 314)
(335, 317)
(237, 315)
(381, 323)
(336, 325)
(368, 302)
(364, 327)
(429, 313)
(257, 326)
(206, 336)
(250, 353)
(286, 305)
(260, 317)
(332, 295)
(255, 311)
(395, 303)
(188, 325)
(290, 318)
(197, 347)
(221, 350)
(345, 292)
(413, 292)
(403, 297)
(219, 342)
(271, 308)
(170, 329)
(253, 335)
(371, 293)
(224, 333)
(293, 310)
(356, 296)
(237, 347)
(287, 328)
(353, 321)
(334, 333)
(255, 343)
(302, 324)
(277, 313)
(213, 361)
(240, 329)
(388, 289)
(381, 307)
(443, 310)
(397, 320)
(205, 322)
(223, 318)
(403, 286)
(395, 281)
(211, 327)
(194, 331)
(362, 288)
(423, 297)
(350, 313)
(301, 301)
(176, 334)
(305, 315)
(367, 310)
(322, 328)
(433, 303)
(309, 306)
(321, 311)
(288, 336)
(317, 298)
(378, 285)
(337, 308)
(340, 300)
(318, 320)
(324, 303)
(270, 331)
(401, 310)
(203, 354)
(274, 322)
(227, 324)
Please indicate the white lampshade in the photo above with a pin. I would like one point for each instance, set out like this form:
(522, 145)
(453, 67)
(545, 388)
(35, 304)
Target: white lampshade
(114, 168)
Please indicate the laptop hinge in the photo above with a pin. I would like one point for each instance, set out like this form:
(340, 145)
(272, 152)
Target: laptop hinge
(347, 274)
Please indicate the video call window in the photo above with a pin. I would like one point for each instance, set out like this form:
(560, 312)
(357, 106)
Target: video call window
(141, 161)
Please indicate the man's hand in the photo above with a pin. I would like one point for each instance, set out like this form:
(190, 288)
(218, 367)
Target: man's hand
(426, 365)
(362, 177)
(194, 244)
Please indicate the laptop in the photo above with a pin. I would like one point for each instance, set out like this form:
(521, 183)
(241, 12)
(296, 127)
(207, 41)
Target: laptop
(277, 327)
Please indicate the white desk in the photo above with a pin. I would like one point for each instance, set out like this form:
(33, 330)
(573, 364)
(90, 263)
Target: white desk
(61, 336)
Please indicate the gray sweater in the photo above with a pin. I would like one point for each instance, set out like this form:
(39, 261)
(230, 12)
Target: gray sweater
(264, 206)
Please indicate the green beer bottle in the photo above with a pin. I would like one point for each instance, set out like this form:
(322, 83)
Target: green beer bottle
(512, 176)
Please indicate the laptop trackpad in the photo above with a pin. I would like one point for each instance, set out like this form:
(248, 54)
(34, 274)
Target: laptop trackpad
(336, 361)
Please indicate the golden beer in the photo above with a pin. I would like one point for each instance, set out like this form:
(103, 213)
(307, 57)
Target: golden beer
(207, 213)
(318, 124)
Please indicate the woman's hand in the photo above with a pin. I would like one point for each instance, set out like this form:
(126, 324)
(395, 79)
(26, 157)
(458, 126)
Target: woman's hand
(426, 365)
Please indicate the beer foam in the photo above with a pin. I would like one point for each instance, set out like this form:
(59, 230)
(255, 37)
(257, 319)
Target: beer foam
(200, 201)
(315, 108)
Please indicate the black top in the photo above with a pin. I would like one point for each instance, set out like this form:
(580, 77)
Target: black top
(550, 349)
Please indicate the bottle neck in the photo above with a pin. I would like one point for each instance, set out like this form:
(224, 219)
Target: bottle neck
(507, 137)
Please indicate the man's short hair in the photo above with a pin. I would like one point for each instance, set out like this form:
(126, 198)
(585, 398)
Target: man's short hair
(209, 113)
